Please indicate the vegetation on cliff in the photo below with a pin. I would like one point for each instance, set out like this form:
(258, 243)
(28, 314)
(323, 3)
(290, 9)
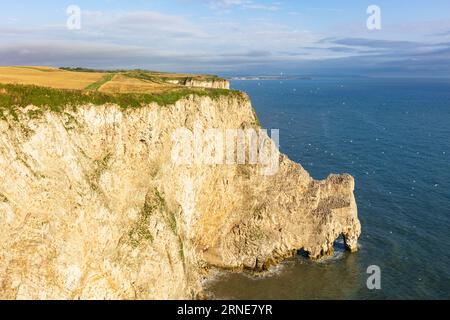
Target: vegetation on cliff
(108, 81)
(55, 89)
(148, 74)
(96, 85)
(96, 193)
(13, 96)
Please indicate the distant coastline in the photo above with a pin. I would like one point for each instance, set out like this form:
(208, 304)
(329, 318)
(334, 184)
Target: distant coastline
(262, 78)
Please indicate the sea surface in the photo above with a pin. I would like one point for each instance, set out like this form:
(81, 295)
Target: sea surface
(393, 136)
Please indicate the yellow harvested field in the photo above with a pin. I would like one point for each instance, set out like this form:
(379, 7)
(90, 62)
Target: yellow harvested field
(114, 81)
(48, 77)
(123, 84)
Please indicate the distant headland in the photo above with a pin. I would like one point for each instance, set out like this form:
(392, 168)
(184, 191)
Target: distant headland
(263, 78)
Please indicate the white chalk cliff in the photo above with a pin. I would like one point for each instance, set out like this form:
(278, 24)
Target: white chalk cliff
(93, 207)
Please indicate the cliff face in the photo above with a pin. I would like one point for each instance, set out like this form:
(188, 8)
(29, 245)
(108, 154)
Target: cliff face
(92, 204)
(196, 83)
(216, 84)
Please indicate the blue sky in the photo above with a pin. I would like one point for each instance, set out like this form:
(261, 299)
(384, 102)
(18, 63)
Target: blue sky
(232, 36)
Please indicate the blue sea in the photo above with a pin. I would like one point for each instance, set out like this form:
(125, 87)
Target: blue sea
(393, 136)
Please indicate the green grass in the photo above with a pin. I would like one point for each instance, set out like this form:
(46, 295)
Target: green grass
(142, 75)
(32, 114)
(14, 96)
(140, 231)
(146, 74)
(170, 217)
(181, 251)
(70, 122)
(35, 68)
(100, 166)
(184, 80)
(99, 83)
(161, 78)
(78, 69)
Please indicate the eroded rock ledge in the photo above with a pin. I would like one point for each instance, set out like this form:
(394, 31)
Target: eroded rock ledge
(91, 205)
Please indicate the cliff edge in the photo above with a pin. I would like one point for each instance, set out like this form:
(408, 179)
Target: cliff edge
(93, 205)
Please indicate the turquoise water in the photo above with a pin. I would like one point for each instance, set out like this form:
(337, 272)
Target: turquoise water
(393, 136)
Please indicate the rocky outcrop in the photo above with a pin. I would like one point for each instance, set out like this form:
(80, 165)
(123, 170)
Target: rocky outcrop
(215, 83)
(92, 204)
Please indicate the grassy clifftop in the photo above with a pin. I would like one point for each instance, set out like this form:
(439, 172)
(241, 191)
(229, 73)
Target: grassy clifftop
(56, 89)
(149, 75)
(13, 96)
(112, 81)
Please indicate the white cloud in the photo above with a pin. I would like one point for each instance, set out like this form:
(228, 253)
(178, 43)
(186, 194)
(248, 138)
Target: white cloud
(261, 7)
(246, 4)
(227, 3)
(143, 22)
(156, 40)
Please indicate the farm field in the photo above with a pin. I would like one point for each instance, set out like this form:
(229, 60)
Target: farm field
(117, 81)
(48, 77)
(56, 89)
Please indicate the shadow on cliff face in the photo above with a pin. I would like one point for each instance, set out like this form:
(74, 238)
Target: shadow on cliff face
(339, 249)
(332, 277)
